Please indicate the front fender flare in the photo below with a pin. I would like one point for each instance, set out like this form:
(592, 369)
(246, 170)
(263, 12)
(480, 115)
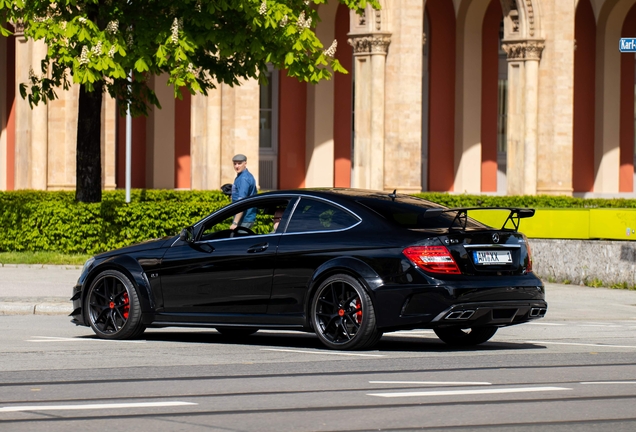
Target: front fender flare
(133, 270)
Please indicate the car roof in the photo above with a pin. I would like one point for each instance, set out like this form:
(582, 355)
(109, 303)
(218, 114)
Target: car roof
(359, 196)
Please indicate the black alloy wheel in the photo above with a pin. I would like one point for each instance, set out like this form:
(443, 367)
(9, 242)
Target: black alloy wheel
(342, 314)
(112, 307)
(457, 336)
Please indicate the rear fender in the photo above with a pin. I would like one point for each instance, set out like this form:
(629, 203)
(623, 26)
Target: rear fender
(355, 267)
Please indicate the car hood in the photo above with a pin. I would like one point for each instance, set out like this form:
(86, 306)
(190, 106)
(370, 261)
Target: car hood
(139, 247)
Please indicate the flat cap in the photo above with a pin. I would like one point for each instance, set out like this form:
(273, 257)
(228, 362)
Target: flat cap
(239, 158)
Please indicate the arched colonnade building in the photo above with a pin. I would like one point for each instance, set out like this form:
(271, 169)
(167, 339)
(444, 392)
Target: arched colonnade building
(477, 96)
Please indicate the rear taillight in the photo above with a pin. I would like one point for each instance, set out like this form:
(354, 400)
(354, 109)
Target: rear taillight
(529, 266)
(434, 259)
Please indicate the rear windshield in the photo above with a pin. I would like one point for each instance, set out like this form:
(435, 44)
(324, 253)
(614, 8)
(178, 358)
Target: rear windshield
(409, 212)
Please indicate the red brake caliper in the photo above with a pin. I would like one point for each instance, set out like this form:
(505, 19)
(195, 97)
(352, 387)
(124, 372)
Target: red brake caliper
(359, 311)
(126, 305)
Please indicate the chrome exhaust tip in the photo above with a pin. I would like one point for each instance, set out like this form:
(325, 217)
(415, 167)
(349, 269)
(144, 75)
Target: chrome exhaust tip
(460, 315)
(537, 312)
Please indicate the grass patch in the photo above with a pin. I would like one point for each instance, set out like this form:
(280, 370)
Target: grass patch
(42, 258)
(594, 283)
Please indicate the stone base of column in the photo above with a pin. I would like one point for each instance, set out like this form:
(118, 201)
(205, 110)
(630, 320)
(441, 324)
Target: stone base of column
(555, 191)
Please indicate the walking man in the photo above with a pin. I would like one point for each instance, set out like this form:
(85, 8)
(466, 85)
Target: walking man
(244, 186)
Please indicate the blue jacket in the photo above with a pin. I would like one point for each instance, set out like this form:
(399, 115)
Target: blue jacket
(244, 186)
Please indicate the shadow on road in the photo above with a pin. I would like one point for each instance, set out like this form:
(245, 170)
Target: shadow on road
(388, 343)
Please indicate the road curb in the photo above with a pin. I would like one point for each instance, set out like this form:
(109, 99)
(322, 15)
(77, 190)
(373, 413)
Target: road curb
(23, 308)
(42, 266)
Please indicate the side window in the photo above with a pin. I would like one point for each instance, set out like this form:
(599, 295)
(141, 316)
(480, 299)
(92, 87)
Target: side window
(314, 215)
(258, 220)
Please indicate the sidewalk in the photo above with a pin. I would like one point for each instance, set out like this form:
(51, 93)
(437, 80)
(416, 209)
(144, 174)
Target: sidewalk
(46, 290)
(37, 289)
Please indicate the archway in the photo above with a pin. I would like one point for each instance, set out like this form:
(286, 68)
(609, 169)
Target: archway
(612, 142)
(627, 109)
(584, 93)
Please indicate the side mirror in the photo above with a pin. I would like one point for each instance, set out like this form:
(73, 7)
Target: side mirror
(186, 235)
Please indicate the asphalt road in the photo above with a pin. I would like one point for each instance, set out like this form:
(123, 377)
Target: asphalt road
(573, 370)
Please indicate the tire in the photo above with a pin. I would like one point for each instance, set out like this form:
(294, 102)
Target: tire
(457, 336)
(112, 307)
(236, 332)
(342, 314)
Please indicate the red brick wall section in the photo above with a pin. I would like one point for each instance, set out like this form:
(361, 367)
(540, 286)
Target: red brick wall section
(489, 88)
(138, 153)
(441, 138)
(182, 178)
(342, 123)
(291, 132)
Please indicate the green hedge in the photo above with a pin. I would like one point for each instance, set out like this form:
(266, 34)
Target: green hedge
(53, 221)
(532, 201)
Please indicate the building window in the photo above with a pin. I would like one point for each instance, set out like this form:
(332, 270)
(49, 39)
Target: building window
(268, 132)
(502, 117)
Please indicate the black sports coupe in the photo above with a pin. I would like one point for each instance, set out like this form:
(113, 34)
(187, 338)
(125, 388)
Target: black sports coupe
(346, 264)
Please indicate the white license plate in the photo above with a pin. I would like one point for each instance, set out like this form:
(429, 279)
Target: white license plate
(492, 257)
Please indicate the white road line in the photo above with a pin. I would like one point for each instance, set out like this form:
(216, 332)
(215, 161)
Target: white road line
(468, 392)
(545, 324)
(410, 334)
(413, 332)
(434, 383)
(323, 352)
(599, 325)
(609, 382)
(581, 344)
(93, 406)
(63, 339)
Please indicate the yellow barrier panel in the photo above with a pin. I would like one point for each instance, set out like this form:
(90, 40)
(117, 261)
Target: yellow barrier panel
(615, 224)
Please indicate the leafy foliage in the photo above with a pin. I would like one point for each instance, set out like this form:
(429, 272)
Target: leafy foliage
(54, 221)
(529, 201)
(199, 43)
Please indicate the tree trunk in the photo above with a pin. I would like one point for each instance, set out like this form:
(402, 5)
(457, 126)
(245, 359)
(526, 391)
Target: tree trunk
(88, 185)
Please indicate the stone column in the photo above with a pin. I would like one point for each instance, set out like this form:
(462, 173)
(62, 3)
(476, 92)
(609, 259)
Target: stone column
(160, 137)
(39, 127)
(239, 127)
(523, 85)
(205, 132)
(23, 126)
(369, 51)
(108, 141)
(403, 97)
(319, 144)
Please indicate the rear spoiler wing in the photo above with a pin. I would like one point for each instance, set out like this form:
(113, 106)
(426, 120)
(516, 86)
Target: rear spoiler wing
(462, 215)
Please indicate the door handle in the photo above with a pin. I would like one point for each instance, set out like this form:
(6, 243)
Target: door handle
(258, 248)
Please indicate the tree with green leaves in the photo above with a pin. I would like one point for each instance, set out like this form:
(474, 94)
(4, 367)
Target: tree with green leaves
(198, 43)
